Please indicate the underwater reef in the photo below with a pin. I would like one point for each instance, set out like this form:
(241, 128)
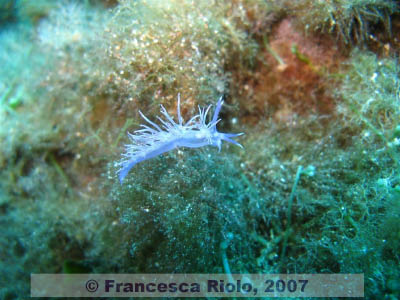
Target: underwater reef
(314, 85)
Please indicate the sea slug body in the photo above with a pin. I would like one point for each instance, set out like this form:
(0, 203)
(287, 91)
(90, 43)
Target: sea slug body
(151, 141)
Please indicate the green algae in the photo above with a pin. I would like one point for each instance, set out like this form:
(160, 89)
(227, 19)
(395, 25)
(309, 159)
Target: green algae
(350, 21)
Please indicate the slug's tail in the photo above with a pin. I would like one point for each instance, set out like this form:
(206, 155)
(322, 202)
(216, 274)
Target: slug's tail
(125, 170)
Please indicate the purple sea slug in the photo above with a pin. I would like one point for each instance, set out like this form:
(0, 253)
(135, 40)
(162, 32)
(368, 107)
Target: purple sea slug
(150, 142)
